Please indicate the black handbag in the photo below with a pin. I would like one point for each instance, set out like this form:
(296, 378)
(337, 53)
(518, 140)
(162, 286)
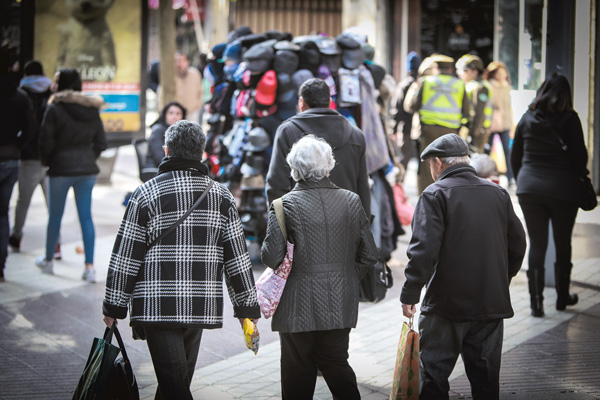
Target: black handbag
(105, 376)
(589, 201)
(375, 284)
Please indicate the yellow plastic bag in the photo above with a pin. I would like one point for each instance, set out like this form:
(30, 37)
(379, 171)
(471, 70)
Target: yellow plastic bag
(497, 154)
(251, 335)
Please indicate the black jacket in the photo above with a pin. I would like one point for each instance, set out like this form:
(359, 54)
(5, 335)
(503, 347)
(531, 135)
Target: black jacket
(348, 144)
(38, 92)
(16, 115)
(72, 135)
(156, 142)
(466, 246)
(333, 250)
(541, 166)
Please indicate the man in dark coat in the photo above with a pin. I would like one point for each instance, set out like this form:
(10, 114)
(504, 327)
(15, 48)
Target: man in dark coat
(316, 118)
(466, 246)
(16, 115)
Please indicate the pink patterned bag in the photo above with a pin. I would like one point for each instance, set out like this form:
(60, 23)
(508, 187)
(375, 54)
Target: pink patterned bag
(270, 285)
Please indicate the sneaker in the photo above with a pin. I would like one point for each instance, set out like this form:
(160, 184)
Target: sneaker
(57, 255)
(15, 243)
(89, 275)
(46, 266)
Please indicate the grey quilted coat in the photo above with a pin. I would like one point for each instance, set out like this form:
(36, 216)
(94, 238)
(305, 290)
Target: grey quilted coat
(333, 250)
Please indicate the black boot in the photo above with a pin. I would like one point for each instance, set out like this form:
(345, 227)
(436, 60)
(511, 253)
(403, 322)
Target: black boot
(562, 275)
(536, 289)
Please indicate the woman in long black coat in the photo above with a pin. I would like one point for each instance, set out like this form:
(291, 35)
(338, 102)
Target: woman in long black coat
(548, 158)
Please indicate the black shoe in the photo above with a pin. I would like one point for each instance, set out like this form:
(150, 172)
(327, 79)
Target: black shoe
(2, 275)
(563, 302)
(537, 306)
(15, 243)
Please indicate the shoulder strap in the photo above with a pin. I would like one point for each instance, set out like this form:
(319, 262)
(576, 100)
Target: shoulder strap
(278, 206)
(184, 216)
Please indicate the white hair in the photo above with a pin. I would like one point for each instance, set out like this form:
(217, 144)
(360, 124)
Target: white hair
(449, 161)
(311, 159)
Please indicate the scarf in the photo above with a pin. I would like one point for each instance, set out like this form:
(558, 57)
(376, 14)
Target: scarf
(177, 164)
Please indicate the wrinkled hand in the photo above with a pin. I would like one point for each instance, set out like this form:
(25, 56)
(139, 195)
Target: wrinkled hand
(409, 310)
(109, 321)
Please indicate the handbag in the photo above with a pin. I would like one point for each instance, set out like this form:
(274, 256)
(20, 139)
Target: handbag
(138, 331)
(589, 201)
(270, 285)
(405, 385)
(105, 376)
(375, 283)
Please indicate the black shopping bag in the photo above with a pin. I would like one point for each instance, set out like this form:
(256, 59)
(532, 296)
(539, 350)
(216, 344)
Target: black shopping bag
(105, 376)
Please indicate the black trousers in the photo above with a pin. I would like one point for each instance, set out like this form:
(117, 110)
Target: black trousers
(538, 212)
(442, 341)
(302, 352)
(174, 353)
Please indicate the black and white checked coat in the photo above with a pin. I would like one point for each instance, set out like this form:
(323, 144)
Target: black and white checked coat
(178, 281)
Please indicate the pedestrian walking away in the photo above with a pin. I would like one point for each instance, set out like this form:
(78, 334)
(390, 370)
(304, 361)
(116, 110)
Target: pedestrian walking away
(467, 245)
(333, 250)
(71, 139)
(549, 158)
(316, 118)
(209, 243)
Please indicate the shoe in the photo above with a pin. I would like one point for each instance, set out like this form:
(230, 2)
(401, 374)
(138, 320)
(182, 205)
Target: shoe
(2, 275)
(562, 302)
(15, 243)
(46, 266)
(89, 275)
(57, 255)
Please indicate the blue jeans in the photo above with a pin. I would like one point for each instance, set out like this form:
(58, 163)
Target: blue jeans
(59, 188)
(9, 173)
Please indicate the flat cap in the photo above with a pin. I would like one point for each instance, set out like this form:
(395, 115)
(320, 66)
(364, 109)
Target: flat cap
(448, 145)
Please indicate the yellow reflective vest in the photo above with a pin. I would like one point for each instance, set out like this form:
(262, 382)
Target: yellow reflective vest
(442, 99)
(487, 111)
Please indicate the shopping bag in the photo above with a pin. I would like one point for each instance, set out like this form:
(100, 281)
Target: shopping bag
(405, 385)
(270, 285)
(403, 207)
(251, 335)
(497, 154)
(105, 376)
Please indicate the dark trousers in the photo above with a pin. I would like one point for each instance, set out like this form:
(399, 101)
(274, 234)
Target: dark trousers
(174, 353)
(9, 173)
(442, 341)
(538, 212)
(302, 352)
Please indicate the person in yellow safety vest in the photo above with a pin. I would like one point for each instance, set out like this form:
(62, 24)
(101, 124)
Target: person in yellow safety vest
(469, 68)
(443, 107)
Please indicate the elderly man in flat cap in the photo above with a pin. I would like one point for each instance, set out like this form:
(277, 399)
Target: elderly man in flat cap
(467, 244)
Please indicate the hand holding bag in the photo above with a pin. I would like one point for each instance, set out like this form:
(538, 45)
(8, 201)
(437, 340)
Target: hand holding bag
(105, 376)
(405, 385)
(270, 285)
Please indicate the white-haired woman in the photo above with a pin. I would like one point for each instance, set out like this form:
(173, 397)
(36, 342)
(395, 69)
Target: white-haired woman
(333, 249)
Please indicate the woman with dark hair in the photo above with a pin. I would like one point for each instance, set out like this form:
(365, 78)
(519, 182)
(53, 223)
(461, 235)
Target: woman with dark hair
(548, 158)
(496, 74)
(170, 114)
(71, 139)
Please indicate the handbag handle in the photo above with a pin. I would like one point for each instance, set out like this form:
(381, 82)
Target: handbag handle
(108, 334)
(280, 215)
(184, 216)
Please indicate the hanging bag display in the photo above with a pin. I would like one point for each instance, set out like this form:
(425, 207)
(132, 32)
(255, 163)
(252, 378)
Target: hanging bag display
(270, 285)
(405, 385)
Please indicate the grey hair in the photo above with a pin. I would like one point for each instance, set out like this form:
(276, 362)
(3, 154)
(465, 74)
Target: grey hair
(311, 159)
(450, 161)
(185, 139)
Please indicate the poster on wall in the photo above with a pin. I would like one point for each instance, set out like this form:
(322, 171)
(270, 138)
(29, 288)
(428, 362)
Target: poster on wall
(102, 39)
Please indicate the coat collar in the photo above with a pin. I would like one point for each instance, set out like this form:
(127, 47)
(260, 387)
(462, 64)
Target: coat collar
(455, 169)
(324, 183)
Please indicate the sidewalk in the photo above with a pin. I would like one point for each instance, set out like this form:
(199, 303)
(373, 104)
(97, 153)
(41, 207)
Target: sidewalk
(47, 323)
